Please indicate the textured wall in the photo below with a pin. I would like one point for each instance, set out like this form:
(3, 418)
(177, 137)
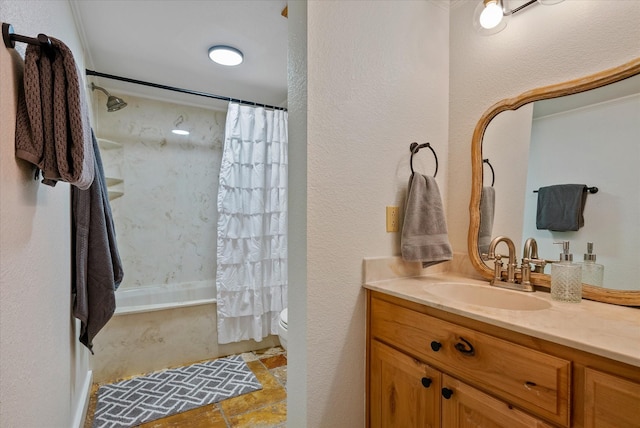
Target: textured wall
(541, 45)
(377, 73)
(43, 368)
(297, 239)
(166, 220)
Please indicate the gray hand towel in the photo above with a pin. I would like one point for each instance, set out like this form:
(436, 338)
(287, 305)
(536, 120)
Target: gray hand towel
(97, 270)
(424, 231)
(487, 212)
(560, 207)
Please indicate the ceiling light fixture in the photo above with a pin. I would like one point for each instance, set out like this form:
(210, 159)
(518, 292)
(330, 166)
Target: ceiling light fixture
(225, 55)
(491, 16)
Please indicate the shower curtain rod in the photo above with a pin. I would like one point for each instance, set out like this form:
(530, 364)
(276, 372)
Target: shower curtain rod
(184, 91)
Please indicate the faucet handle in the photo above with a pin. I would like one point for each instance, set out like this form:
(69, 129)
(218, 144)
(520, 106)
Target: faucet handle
(485, 257)
(538, 263)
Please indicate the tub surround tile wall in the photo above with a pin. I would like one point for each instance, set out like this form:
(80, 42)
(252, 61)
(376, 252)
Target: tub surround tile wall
(166, 220)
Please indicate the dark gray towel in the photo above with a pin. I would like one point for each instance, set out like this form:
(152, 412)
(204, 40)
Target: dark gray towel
(487, 213)
(98, 269)
(561, 207)
(424, 231)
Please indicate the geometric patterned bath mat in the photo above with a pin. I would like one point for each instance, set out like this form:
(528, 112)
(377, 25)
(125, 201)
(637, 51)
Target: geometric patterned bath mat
(142, 399)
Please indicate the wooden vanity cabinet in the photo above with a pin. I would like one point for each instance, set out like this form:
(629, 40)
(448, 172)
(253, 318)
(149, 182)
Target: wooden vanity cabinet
(431, 368)
(407, 393)
(610, 401)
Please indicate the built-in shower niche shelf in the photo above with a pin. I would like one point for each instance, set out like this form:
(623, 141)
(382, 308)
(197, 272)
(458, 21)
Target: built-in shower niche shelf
(112, 160)
(114, 194)
(114, 187)
(108, 144)
(112, 181)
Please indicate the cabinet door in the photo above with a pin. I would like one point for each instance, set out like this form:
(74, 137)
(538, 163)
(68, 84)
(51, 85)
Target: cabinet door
(468, 407)
(404, 392)
(530, 379)
(610, 401)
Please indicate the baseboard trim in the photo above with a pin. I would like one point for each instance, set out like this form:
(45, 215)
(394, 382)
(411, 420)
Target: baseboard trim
(80, 413)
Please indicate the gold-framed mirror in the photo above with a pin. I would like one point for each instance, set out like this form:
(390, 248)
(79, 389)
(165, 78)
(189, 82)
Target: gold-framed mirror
(479, 178)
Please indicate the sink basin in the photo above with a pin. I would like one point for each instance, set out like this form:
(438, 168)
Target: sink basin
(481, 295)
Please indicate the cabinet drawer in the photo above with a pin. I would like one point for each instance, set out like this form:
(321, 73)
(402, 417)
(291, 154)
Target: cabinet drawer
(525, 377)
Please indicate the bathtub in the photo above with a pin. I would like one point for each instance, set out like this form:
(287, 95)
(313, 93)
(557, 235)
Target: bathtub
(162, 326)
(165, 296)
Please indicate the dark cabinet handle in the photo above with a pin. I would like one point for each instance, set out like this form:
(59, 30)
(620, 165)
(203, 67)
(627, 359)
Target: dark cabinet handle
(436, 346)
(447, 393)
(426, 382)
(465, 348)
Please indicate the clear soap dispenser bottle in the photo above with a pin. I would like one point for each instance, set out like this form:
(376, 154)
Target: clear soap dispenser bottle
(566, 277)
(592, 272)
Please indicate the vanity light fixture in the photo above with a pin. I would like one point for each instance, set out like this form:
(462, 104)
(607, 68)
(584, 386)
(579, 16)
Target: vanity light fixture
(491, 16)
(225, 55)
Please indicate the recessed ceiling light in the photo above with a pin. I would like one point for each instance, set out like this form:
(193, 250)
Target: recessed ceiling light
(225, 55)
(180, 132)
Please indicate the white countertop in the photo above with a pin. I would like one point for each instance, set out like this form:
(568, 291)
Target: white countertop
(607, 330)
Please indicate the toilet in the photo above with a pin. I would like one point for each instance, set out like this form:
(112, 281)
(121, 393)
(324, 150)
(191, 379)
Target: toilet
(282, 328)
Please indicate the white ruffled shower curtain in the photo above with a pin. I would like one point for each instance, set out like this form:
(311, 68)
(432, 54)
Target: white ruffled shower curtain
(251, 275)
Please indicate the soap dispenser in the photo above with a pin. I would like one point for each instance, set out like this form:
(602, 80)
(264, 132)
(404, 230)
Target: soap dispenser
(566, 277)
(592, 272)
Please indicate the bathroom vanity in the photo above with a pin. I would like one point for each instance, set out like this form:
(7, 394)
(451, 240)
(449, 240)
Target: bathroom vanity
(452, 351)
(447, 351)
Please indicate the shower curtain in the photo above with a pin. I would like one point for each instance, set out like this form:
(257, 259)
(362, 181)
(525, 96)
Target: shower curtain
(251, 275)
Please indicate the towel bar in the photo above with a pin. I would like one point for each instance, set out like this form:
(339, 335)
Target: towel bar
(415, 147)
(10, 37)
(586, 189)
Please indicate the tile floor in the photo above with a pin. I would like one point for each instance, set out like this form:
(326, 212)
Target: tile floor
(266, 408)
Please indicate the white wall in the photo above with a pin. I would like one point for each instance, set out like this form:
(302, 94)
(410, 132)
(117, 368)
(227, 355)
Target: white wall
(297, 239)
(376, 81)
(541, 45)
(44, 371)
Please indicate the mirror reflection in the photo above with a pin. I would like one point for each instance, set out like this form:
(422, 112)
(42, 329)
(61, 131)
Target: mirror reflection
(591, 139)
(568, 137)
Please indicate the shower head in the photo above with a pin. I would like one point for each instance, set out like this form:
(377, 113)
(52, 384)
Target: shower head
(113, 103)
